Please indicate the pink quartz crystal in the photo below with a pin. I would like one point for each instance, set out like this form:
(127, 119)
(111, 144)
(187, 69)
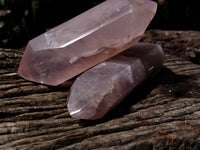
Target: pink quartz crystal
(101, 88)
(85, 40)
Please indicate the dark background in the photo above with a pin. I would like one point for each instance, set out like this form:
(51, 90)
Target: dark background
(21, 20)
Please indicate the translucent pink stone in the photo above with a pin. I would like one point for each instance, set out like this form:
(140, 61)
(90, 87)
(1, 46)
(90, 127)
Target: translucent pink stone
(101, 88)
(85, 40)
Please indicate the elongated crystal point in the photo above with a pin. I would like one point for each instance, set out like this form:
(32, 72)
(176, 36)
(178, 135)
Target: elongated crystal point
(86, 40)
(101, 88)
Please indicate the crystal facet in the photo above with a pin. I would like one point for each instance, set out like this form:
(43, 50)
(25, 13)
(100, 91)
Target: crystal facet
(85, 40)
(102, 87)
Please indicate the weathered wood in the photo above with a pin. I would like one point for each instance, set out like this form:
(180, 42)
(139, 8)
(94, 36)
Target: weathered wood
(162, 113)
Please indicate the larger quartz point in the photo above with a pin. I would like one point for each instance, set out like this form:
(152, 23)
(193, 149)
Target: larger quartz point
(101, 88)
(85, 40)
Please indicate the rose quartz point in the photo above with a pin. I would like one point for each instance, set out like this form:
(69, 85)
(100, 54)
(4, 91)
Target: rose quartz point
(101, 88)
(86, 40)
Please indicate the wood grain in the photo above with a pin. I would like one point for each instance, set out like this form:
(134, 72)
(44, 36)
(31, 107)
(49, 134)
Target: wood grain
(162, 113)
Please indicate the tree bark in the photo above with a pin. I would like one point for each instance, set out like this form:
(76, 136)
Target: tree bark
(162, 113)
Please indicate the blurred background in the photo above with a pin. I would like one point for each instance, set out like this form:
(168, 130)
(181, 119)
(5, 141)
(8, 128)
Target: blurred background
(21, 20)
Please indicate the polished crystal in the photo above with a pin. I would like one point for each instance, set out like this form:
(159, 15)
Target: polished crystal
(86, 40)
(101, 88)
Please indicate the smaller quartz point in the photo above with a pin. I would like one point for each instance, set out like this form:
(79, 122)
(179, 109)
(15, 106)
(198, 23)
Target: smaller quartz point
(101, 88)
(86, 40)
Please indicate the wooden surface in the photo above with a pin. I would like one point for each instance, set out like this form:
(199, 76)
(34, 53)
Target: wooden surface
(162, 113)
